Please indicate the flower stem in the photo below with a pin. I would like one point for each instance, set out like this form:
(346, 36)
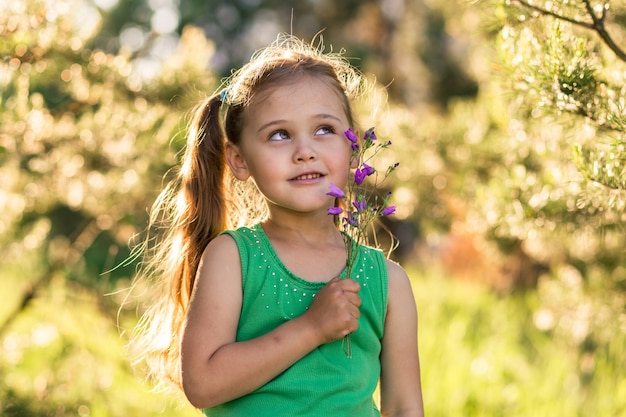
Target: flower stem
(346, 345)
(352, 249)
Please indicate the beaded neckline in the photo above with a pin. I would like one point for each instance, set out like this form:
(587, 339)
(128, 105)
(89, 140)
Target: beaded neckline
(269, 249)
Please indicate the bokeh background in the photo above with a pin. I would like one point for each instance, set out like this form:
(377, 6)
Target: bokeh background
(508, 119)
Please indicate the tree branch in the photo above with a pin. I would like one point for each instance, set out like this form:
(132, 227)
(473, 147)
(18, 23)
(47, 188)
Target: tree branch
(597, 24)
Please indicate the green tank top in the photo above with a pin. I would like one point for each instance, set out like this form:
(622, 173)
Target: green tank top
(325, 382)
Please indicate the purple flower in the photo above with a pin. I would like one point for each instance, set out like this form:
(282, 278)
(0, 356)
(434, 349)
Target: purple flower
(392, 168)
(357, 215)
(335, 191)
(351, 136)
(370, 136)
(352, 219)
(360, 205)
(359, 176)
(361, 173)
(368, 169)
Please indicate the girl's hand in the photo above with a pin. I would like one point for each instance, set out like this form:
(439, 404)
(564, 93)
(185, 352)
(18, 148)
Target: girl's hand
(334, 312)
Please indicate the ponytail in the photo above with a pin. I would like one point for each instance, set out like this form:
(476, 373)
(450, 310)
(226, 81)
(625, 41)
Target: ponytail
(201, 208)
(192, 211)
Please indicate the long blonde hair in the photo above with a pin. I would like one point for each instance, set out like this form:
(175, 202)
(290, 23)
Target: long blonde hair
(204, 199)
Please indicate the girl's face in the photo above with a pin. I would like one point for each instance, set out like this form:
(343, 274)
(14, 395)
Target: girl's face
(293, 146)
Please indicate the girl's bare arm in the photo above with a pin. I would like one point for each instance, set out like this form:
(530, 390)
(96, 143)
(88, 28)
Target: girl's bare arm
(216, 368)
(400, 385)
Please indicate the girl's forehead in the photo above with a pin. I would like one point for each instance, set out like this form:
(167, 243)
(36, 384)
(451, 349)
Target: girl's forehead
(304, 91)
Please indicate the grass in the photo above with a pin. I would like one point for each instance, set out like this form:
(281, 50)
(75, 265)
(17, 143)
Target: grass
(482, 355)
(64, 356)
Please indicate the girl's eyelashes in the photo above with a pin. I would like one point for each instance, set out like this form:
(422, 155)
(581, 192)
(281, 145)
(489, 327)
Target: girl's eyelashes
(325, 130)
(278, 135)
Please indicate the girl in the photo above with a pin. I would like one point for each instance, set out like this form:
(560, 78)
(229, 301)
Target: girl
(255, 308)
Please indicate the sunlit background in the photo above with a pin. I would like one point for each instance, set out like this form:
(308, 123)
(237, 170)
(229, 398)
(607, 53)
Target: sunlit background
(508, 119)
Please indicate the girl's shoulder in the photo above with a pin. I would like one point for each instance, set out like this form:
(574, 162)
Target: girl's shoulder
(397, 276)
(239, 244)
(244, 233)
(395, 270)
(400, 286)
(221, 247)
(244, 237)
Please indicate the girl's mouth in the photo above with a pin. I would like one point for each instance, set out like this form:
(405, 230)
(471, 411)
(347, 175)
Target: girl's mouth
(311, 176)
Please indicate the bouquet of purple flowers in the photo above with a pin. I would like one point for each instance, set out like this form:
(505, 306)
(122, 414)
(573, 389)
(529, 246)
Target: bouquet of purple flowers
(362, 201)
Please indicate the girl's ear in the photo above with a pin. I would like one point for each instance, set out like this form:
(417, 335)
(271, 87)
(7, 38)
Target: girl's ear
(235, 161)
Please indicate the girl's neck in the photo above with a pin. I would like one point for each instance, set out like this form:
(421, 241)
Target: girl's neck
(314, 230)
(300, 245)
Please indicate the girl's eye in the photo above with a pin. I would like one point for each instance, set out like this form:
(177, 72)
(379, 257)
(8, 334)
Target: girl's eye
(325, 130)
(278, 136)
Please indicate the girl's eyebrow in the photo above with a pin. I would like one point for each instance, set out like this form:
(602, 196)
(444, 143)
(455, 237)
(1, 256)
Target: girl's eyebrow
(328, 116)
(270, 124)
(280, 121)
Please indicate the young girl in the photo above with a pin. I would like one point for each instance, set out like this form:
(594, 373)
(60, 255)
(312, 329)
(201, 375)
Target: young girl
(256, 300)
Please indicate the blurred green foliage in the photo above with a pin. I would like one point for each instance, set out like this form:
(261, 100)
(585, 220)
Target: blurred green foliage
(508, 120)
(484, 355)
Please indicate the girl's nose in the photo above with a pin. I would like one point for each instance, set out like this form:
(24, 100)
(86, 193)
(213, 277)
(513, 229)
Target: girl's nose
(305, 150)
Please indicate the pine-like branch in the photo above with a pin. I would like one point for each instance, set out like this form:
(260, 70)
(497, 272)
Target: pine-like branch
(597, 23)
